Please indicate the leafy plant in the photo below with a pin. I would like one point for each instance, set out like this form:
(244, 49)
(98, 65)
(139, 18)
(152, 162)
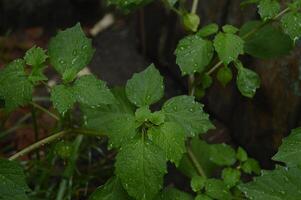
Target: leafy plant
(145, 139)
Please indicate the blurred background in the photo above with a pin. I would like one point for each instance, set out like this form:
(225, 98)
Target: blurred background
(129, 43)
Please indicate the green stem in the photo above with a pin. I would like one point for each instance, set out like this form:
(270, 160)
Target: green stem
(46, 111)
(35, 127)
(195, 162)
(194, 6)
(39, 144)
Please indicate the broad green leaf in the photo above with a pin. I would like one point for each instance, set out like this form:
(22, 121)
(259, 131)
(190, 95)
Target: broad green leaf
(119, 125)
(70, 51)
(197, 183)
(208, 30)
(140, 165)
(231, 177)
(62, 98)
(216, 189)
(191, 21)
(241, 155)
(92, 92)
(122, 102)
(267, 42)
(224, 75)
(12, 181)
(228, 47)
(230, 29)
(290, 150)
(15, 88)
(128, 5)
(247, 81)
(145, 88)
(188, 113)
(291, 25)
(35, 56)
(112, 190)
(251, 166)
(268, 9)
(173, 194)
(193, 54)
(279, 184)
(170, 137)
(222, 154)
(202, 197)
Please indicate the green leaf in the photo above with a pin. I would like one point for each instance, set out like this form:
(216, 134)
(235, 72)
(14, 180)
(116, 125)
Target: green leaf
(251, 166)
(157, 118)
(120, 126)
(228, 47)
(173, 194)
(222, 154)
(91, 91)
(188, 113)
(206, 81)
(122, 102)
(216, 189)
(170, 137)
(291, 25)
(241, 155)
(70, 51)
(143, 114)
(278, 184)
(140, 165)
(63, 149)
(290, 150)
(35, 56)
(247, 81)
(193, 54)
(62, 98)
(112, 190)
(230, 29)
(224, 75)
(145, 88)
(203, 197)
(12, 181)
(267, 42)
(268, 9)
(197, 183)
(191, 21)
(208, 30)
(231, 177)
(128, 5)
(15, 88)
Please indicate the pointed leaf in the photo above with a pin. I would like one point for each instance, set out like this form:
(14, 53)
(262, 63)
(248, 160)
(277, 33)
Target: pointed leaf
(291, 25)
(208, 30)
(222, 154)
(62, 98)
(268, 9)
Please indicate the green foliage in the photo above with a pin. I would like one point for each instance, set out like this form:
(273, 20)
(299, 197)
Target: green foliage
(191, 21)
(15, 87)
(173, 194)
(224, 75)
(241, 155)
(217, 189)
(197, 183)
(208, 30)
(222, 154)
(70, 51)
(129, 5)
(63, 98)
(140, 165)
(202, 197)
(230, 29)
(228, 47)
(12, 181)
(231, 177)
(290, 23)
(251, 166)
(268, 8)
(193, 54)
(146, 87)
(64, 149)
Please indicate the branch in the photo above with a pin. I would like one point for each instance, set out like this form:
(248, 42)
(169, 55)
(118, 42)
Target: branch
(54, 116)
(195, 162)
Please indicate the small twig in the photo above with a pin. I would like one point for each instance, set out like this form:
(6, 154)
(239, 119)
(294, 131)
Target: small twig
(194, 6)
(45, 110)
(195, 162)
(35, 127)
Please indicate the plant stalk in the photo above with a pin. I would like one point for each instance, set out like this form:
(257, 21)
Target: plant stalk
(54, 116)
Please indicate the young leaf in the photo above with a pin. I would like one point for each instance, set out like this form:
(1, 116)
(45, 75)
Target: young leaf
(63, 98)
(208, 30)
(191, 21)
(277, 184)
(241, 155)
(188, 113)
(222, 154)
(70, 51)
(267, 42)
(228, 47)
(216, 189)
(143, 114)
(268, 9)
(291, 25)
(206, 81)
(193, 54)
(170, 137)
(112, 190)
(290, 150)
(251, 166)
(173, 194)
(15, 88)
(35, 56)
(230, 29)
(247, 81)
(140, 165)
(146, 87)
(128, 5)
(231, 177)
(197, 183)
(12, 181)
(91, 91)
(224, 75)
